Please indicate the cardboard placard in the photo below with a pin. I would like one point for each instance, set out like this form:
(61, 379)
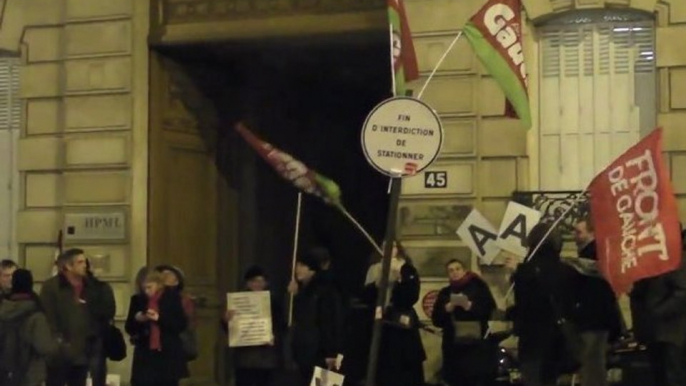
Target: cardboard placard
(519, 220)
(480, 236)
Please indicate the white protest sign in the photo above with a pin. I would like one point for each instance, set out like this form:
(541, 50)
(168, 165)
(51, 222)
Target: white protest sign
(516, 225)
(402, 136)
(480, 236)
(251, 324)
(323, 377)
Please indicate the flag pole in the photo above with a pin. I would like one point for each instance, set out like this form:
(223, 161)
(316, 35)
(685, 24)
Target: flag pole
(361, 229)
(543, 239)
(296, 236)
(440, 61)
(393, 85)
(389, 241)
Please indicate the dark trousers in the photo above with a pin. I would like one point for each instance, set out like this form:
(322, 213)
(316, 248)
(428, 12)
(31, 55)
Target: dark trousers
(594, 358)
(306, 373)
(254, 377)
(667, 361)
(173, 383)
(67, 376)
(535, 372)
(98, 365)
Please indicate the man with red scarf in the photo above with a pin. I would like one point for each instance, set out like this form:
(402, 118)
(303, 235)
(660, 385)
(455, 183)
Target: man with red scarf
(76, 308)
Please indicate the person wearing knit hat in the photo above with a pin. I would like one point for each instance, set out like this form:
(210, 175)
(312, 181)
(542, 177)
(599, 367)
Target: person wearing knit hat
(174, 278)
(317, 317)
(257, 365)
(311, 261)
(22, 282)
(22, 311)
(253, 272)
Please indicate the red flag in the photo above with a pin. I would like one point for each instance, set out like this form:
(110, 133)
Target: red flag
(635, 216)
(404, 57)
(293, 170)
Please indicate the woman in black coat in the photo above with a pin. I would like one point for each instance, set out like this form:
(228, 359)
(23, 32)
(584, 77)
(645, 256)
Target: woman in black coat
(401, 354)
(317, 331)
(466, 299)
(156, 319)
(544, 292)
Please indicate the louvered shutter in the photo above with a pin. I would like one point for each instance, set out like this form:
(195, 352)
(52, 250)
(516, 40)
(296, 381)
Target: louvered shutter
(590, 111)
(10, 120)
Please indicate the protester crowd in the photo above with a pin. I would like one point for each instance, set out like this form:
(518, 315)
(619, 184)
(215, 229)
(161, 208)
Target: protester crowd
(566, 320)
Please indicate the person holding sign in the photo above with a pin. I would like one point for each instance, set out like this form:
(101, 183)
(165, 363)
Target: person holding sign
(157, 319)
(317, 317)
(462, 310)
(597, 312)
(256, 365)
(545, 298)
(401, 355)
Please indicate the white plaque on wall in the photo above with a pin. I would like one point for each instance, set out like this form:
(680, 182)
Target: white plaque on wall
(95, 226)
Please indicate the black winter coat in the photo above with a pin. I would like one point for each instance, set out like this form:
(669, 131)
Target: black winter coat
(317, 324)
(78, 322)
(538, 284)
(169, 364)
(483, 305)
(401, 355)
(465, 361)
(658, 308)
(597, 308)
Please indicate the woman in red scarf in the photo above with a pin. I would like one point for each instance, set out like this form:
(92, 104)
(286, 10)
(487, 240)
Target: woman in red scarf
(462, 310)
(157, 318)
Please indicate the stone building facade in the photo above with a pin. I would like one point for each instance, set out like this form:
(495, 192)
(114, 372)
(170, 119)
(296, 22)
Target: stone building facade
(87, 137)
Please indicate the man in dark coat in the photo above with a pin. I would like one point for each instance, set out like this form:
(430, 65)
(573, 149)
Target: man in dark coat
(544, 293)
(76, 308)
(597, 314)
(658, 309)
(98, 360)
(317, 319)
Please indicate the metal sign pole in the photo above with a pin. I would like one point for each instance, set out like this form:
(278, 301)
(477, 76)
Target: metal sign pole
(389, 240)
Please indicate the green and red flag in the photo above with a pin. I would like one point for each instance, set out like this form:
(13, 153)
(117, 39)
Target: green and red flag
(293, 170)
(405, 66)
(495, 33)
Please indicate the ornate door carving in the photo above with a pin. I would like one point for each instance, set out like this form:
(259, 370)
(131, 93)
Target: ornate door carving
(183, 204)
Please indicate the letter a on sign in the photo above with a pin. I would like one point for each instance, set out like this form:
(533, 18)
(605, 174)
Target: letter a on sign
(480, 236)
(516, 225)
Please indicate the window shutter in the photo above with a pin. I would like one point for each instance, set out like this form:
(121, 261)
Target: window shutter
(10, 121)
(589, 111)
(10, 104)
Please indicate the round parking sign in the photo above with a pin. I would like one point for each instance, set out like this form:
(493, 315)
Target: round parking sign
(402, 136)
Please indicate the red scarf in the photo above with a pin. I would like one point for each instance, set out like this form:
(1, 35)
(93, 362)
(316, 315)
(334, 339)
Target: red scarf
(76, 283)
(457, 285)
(20, 297)
(155, 333)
